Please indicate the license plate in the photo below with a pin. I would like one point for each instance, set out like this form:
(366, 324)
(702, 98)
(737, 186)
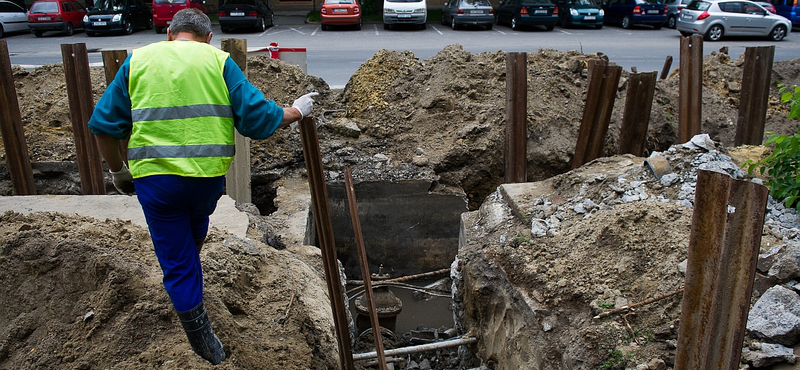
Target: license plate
(44, 18)
(589, 18)
(686, 16)
(98, 23)
(237, 14)
(540, 11)
(340, 10)
(476, 12)
(169, 22)
(404, 16)
(653, 11)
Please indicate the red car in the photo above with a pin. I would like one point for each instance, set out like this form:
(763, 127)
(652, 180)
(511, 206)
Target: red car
(340, 13)
(163, 10)
(55, 15)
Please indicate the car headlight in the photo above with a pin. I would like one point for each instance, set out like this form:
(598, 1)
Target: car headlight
(573, 11)
(420, 10)
(388, 11)
(602, 13)
(85, 19)
(117, 18)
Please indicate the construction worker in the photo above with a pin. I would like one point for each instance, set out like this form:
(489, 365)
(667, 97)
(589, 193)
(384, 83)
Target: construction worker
(180, 100)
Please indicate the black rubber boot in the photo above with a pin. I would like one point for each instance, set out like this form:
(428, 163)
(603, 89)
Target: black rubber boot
(201, 336)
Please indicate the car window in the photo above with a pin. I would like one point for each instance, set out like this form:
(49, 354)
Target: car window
(68, 7)
(338, 1)
(109, 4)
(241, 2)
(649, 2)
(536, 2)
(698, 5)
(404, 1)
(44, 7)
(10, 8)
(583, 2)
(475, 3)
(731, 7)
(169, 1)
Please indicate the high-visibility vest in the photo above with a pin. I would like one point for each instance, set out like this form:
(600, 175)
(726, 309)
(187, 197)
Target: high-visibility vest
(181, 110)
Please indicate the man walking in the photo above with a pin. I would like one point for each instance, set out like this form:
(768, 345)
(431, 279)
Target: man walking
(179, 101)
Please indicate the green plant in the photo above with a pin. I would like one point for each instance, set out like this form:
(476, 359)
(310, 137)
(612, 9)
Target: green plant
(313, 16)
(781, 166)
(616, 360)
(605, 305)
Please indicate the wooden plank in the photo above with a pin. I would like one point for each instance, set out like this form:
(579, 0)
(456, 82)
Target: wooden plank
(17, 158)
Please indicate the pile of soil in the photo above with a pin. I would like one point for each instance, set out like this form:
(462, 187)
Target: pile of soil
(86, 293)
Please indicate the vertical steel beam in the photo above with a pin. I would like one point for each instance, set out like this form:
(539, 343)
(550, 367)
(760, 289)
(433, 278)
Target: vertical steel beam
(600, 95)
(723, 250)
(756, 76)
(690, 88)
(639, 100)
(81, 104)
(112, 60)
(325, 237)
(516, 117)
(237, 180)
(17, 158)
(667, 66)
(362, 256)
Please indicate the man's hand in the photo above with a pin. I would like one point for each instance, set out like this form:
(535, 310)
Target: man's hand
(305, 104)
(123, 180)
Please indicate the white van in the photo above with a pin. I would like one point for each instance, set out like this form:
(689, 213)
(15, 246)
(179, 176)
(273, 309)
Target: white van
(404, 12)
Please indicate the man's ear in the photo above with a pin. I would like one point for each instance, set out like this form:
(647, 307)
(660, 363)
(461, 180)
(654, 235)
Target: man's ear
(208, 38)
(170, 37)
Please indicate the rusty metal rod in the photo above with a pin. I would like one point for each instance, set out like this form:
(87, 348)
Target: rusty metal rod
(756, 78)
(12, 131)
(690, 88)
(516, 162)
(405, 278)
(362, 256)
(600, 95)
(112, 61)
(638, 102)
(419, 348)
(324, 226)
(667, 66)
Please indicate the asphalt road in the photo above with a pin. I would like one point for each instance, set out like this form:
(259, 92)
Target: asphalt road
(335, 55)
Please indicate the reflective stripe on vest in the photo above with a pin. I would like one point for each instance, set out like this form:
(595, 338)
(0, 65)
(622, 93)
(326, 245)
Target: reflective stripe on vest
(181, 112)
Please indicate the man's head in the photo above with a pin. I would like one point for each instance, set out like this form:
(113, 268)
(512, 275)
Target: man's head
(192, 23)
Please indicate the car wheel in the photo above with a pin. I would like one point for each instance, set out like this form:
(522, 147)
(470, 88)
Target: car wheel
(225, 29)
(386, 26)
(489, 27)
(444, 22)
(598, 26)
(423, 26)
(159, 29)
(714, 33)
(358, 26)
(262, 25)
(453, 24)
(626, 22)
(686, 33)
(38, 33)
(778, 33)
(68, 29)
(88, 33)
(272, 20)
(150, 23)
(128, 27)
(1, 31)
(514, 24)
(672, 22)
(549, 27)
(323, 27)
(657, 26)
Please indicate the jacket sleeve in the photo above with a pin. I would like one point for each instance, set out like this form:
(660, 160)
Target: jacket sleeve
(112, 114)
(253, 115)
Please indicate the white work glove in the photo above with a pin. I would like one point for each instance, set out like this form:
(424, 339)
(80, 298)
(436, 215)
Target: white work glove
(122, 180)
(305, 104)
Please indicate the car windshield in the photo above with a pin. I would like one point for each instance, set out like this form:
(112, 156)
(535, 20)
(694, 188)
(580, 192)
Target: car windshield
(404, 1)
(698, 5)
(649, 2)
(46, 7)
(475, 3)
(109, 4)
(536, 2)
(583, 2)
(241, 2)
(169, 1)
(338, 1)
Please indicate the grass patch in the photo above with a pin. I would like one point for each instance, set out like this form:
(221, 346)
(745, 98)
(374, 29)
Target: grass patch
(313, 16)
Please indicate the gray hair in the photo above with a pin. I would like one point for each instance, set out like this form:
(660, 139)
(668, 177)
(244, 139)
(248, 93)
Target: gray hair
(190, 20)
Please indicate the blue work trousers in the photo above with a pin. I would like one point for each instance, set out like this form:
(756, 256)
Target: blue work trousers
(176, 209)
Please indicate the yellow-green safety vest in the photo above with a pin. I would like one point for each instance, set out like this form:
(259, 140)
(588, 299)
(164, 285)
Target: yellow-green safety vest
(181, 110)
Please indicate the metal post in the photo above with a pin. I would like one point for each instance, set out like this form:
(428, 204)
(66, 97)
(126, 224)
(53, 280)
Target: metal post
(81, 104)
(600, 94)
(690, 90)
(325, 238)
(112, 60)
(237, 180)
(516, 117)
(756, 76)
(362, 256)
(667, 66)
(17, 158)
(723, 251)
(639, 100)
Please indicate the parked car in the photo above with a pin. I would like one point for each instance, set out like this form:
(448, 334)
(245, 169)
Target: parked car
(580, 13)
(627, 13)
(675, 7)
(55, 15)
(789, 9)
(457, 13)
(414, 12)
(13, 18)
(245, 14)
(714, 19)
(767, 5)
(340, 13)
(521, 13)
(117, 16)
(164, 10)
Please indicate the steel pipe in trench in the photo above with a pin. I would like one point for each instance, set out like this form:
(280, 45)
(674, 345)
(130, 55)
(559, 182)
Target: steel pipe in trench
(419, 348)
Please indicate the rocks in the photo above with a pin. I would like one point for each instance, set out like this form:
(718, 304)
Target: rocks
(776, 316)
(764, 354)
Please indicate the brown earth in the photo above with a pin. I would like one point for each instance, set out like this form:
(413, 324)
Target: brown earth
(84, 293)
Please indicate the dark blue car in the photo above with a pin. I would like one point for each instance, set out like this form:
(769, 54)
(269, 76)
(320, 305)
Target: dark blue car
(627, 13)
(789, 9)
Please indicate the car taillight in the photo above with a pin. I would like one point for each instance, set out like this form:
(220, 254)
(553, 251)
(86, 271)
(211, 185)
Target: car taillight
(252, 14)
(523, 11)
(356, 10)
(59, 18)
(323, 10)
(555, 10)
(666, 10)
(491, 11)
(637, 10)
(220, 14)
(703, 15)
(460, 11)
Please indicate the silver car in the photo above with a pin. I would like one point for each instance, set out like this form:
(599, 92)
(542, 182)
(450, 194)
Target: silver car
(714, 19)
